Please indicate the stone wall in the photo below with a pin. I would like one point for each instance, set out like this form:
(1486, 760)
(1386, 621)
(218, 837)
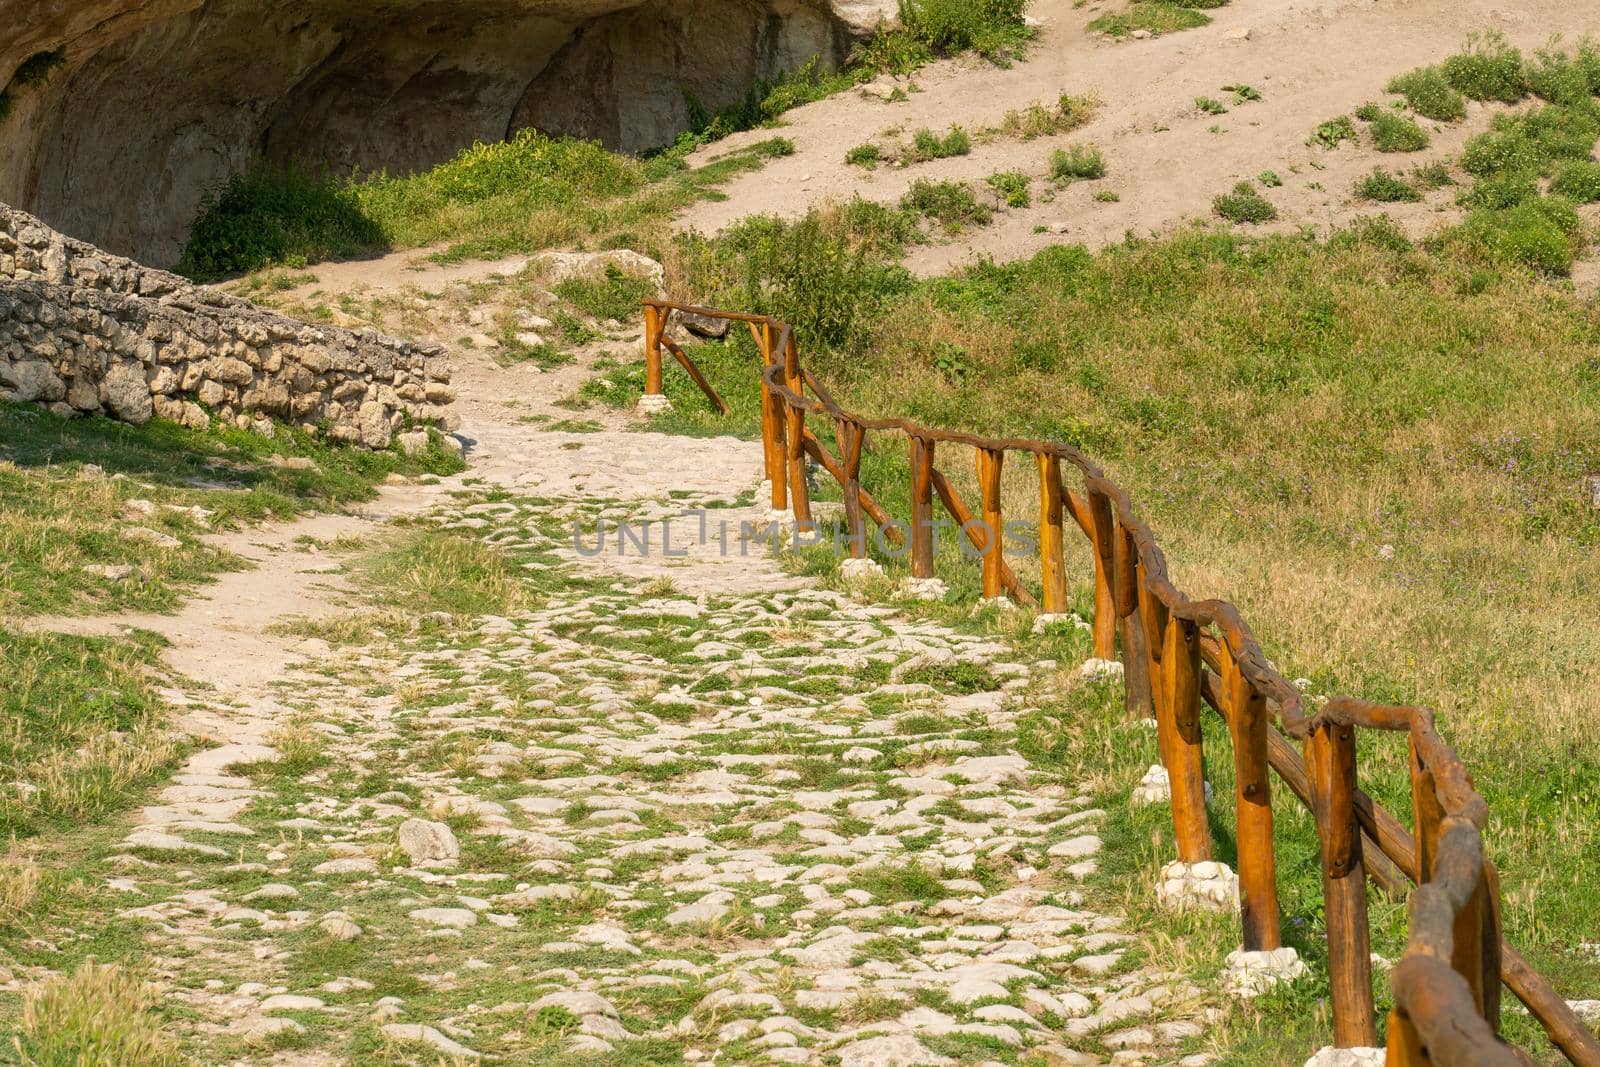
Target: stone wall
(83, 331)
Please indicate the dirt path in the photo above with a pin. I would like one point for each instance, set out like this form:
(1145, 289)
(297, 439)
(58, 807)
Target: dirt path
(1310, 59)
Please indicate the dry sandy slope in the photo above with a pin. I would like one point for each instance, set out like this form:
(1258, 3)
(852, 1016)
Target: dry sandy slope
(1311, 59)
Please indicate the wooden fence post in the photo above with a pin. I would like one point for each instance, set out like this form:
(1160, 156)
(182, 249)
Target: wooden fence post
(1475, 937)
(1258, 866)
(851, 438)
(799, 492)
(1053, 574)
(1135, 657)
(652, 350)
(989, 467)
(1331, 766)
(921, 507)
(1105, 608)
(1180, 722)
(772, 427)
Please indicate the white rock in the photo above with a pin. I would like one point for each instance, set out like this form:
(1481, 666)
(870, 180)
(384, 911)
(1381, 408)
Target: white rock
(922, 588)
(452, 918)
(1249, 974)
(890, 1050)
(1328, 1056)
(340, 928)
(1202, 885)
(1100, 670)
(427, 1035)
(429, 844)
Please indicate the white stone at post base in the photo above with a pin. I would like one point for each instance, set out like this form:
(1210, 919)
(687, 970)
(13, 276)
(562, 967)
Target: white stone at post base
(1001, 602)
(1360, 1056)
(923, 588)
(1156, 788)
(1250, 974)
(654, 404)
(1100, 669)
(860, 570)
(1046, 620)
(1206, 884)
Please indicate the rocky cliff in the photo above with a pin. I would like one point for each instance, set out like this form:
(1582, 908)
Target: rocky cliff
(147, 103)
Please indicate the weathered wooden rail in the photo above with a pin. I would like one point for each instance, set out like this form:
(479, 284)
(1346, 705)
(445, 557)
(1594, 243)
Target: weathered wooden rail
(1179, 654)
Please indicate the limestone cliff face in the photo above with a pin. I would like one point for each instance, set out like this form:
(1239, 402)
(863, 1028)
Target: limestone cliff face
(157, 100)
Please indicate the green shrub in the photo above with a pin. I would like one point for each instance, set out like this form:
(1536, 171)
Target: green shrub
(271, 214)
(1498, 152)
(1244, 204)
(1579, 182)
(1036, 120)
(1107, 196)
(1012, 185)
(951, 204)
(1081, 162)
(537, 168)
(1269, 179)
(1397, 133)
(613, 295)
(993, 27)
(828, 273)
(926, 145)
(774, 148)
(1332, 132)
(1435, 175)
(1386, 188)
(1544, 233)
(1430, 95)
(1558, 78)
(1489, 69)
(1210, 105)
(1154, 16)
(864, 155)
(1502, 190)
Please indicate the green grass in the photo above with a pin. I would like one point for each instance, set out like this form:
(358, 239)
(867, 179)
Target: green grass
(1245, 205)
(1578, 181)
(82, 728)
(994, 28)
(1154, 16)
(1429, 93)
(68, 489)
(1386, 188)
(1081, 162)
(98, 1015)
(613, 295)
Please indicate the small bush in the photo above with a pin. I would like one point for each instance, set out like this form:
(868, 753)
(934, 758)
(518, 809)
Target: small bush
(951, 204)
(1579, 182)
(1154, 16)
(1544, 233)
(1210, 105)
(992, 27)
(774, 148)
(1244, 204)
(100, 1015)
(1081, 162)
(1269, 179)
(926, 145)
(864, 155)
(1332, 132)
(1397, 133)
(1489, 69)
(1430, 95)
(271, 214)
(1107, 196)
(1435, 175)
(1558, 78)
(1385, 188)
(1012, 185)
(1499, 152)
(1502, 190)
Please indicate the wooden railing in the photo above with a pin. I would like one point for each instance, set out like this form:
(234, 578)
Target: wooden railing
(1178, 654)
